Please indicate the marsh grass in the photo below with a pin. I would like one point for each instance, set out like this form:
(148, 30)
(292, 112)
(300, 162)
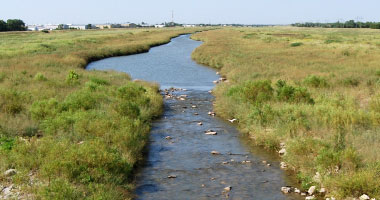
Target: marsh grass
(321, 98)
(74, 134)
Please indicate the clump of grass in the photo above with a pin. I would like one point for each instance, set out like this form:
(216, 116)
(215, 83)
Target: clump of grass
(296, 44)
(315, 81)
(351, 81)
(40, 77)
(72, 77)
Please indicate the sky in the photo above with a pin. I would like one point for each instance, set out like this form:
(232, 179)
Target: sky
(190, 11)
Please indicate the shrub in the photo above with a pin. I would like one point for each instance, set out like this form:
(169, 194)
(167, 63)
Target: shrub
(80, 100)
(296, 44)
(315, 81)
(42, 109)
(40, 77)
(289, 93)
(253, 91)
(11, 101)
(30, 131)
(6, 143)
(377, 73)
(72, 77)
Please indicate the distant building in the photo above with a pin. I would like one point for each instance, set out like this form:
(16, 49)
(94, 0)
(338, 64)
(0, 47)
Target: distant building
(103, 26)
(129, 25)
(188, 25)
(80, 27)
(159, 26)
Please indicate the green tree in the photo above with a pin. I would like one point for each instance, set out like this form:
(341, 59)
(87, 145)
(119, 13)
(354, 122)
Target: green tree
(3, 26)
(15, 25)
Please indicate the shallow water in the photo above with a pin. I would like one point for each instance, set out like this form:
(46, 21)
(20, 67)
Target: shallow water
(187, 155)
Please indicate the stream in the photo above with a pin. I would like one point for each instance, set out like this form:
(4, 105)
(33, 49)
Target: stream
(180, 164)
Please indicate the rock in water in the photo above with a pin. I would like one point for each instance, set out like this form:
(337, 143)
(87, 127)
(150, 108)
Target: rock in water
(172, 176)
(286, 190)
(215, 153)
(282, 151)
(228, 188)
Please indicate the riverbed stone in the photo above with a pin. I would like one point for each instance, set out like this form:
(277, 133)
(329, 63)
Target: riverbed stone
(286, 190)
(296, 190)
(283, 165)
(364, 197)
(215, 152)
(228, 188)
(10, 172)
(311, 190)
(310, 198)
(282, 151)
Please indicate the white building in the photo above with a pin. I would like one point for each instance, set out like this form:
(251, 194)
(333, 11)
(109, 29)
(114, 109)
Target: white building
(80, 27)
(159, 26)
(188, 25)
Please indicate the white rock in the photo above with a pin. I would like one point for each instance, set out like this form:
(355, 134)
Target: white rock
(210, 132)
(194, 106)
(310, 198)
(215, 152)
(364, 197)
(282, 151)
(283, 165)
(10, 172)
(303, 194)
(232, 120)
(228, 188)
(168, 137)
(296, 190)
(311, 190)
(317, 177)
(172, 176)
(286, 190)
(200, 123)
(322, 190)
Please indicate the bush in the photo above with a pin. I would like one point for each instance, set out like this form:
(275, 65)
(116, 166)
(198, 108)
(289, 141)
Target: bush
(128, 109)
(253, 91)
(72, 77)
(289, 93)
(40, 77)
(315, 81)
(296, 44)
(6, 143)
(11, 101)
(99, 81)
(80, 100)
(42, 109)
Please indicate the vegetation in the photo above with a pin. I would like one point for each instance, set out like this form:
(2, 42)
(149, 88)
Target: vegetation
(12, 25)
(72, 133)
(347, 24)
(320, 98)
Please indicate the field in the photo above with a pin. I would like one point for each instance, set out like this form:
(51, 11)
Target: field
(72, 133)
(315, 90)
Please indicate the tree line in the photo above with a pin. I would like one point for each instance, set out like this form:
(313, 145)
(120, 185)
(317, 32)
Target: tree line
(347, 24)
(12, 25)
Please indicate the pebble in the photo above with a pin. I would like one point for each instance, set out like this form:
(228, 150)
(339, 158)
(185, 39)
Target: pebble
(194, 106)
(168, 138)
(310, 198)
(228, 188)
(286, 190)
(196, 114)
(232, 120)
(303, 194)
(311, 190)
(282, 151)
(210, 132)
(364, 197)
(245, 161)
(268, 165)
(283, 165)
(225, 162)
(296, 190)
(200, 123)
(215, 153)
(322, 190)
(172, 176)
(10, 172)
(264, 162)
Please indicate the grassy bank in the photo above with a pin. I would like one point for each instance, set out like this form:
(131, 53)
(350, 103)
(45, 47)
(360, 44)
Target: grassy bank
(72, 133)
(316, 90)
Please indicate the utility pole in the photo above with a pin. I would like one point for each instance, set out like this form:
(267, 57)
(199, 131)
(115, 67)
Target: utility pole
(173, 17)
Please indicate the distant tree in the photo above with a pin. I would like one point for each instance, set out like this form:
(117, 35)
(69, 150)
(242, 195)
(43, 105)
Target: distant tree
(61, 27)
(89, 26)
(3, 26)
(15, 25)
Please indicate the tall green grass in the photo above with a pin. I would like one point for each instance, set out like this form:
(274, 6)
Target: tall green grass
(72, 133)
(320, 98)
